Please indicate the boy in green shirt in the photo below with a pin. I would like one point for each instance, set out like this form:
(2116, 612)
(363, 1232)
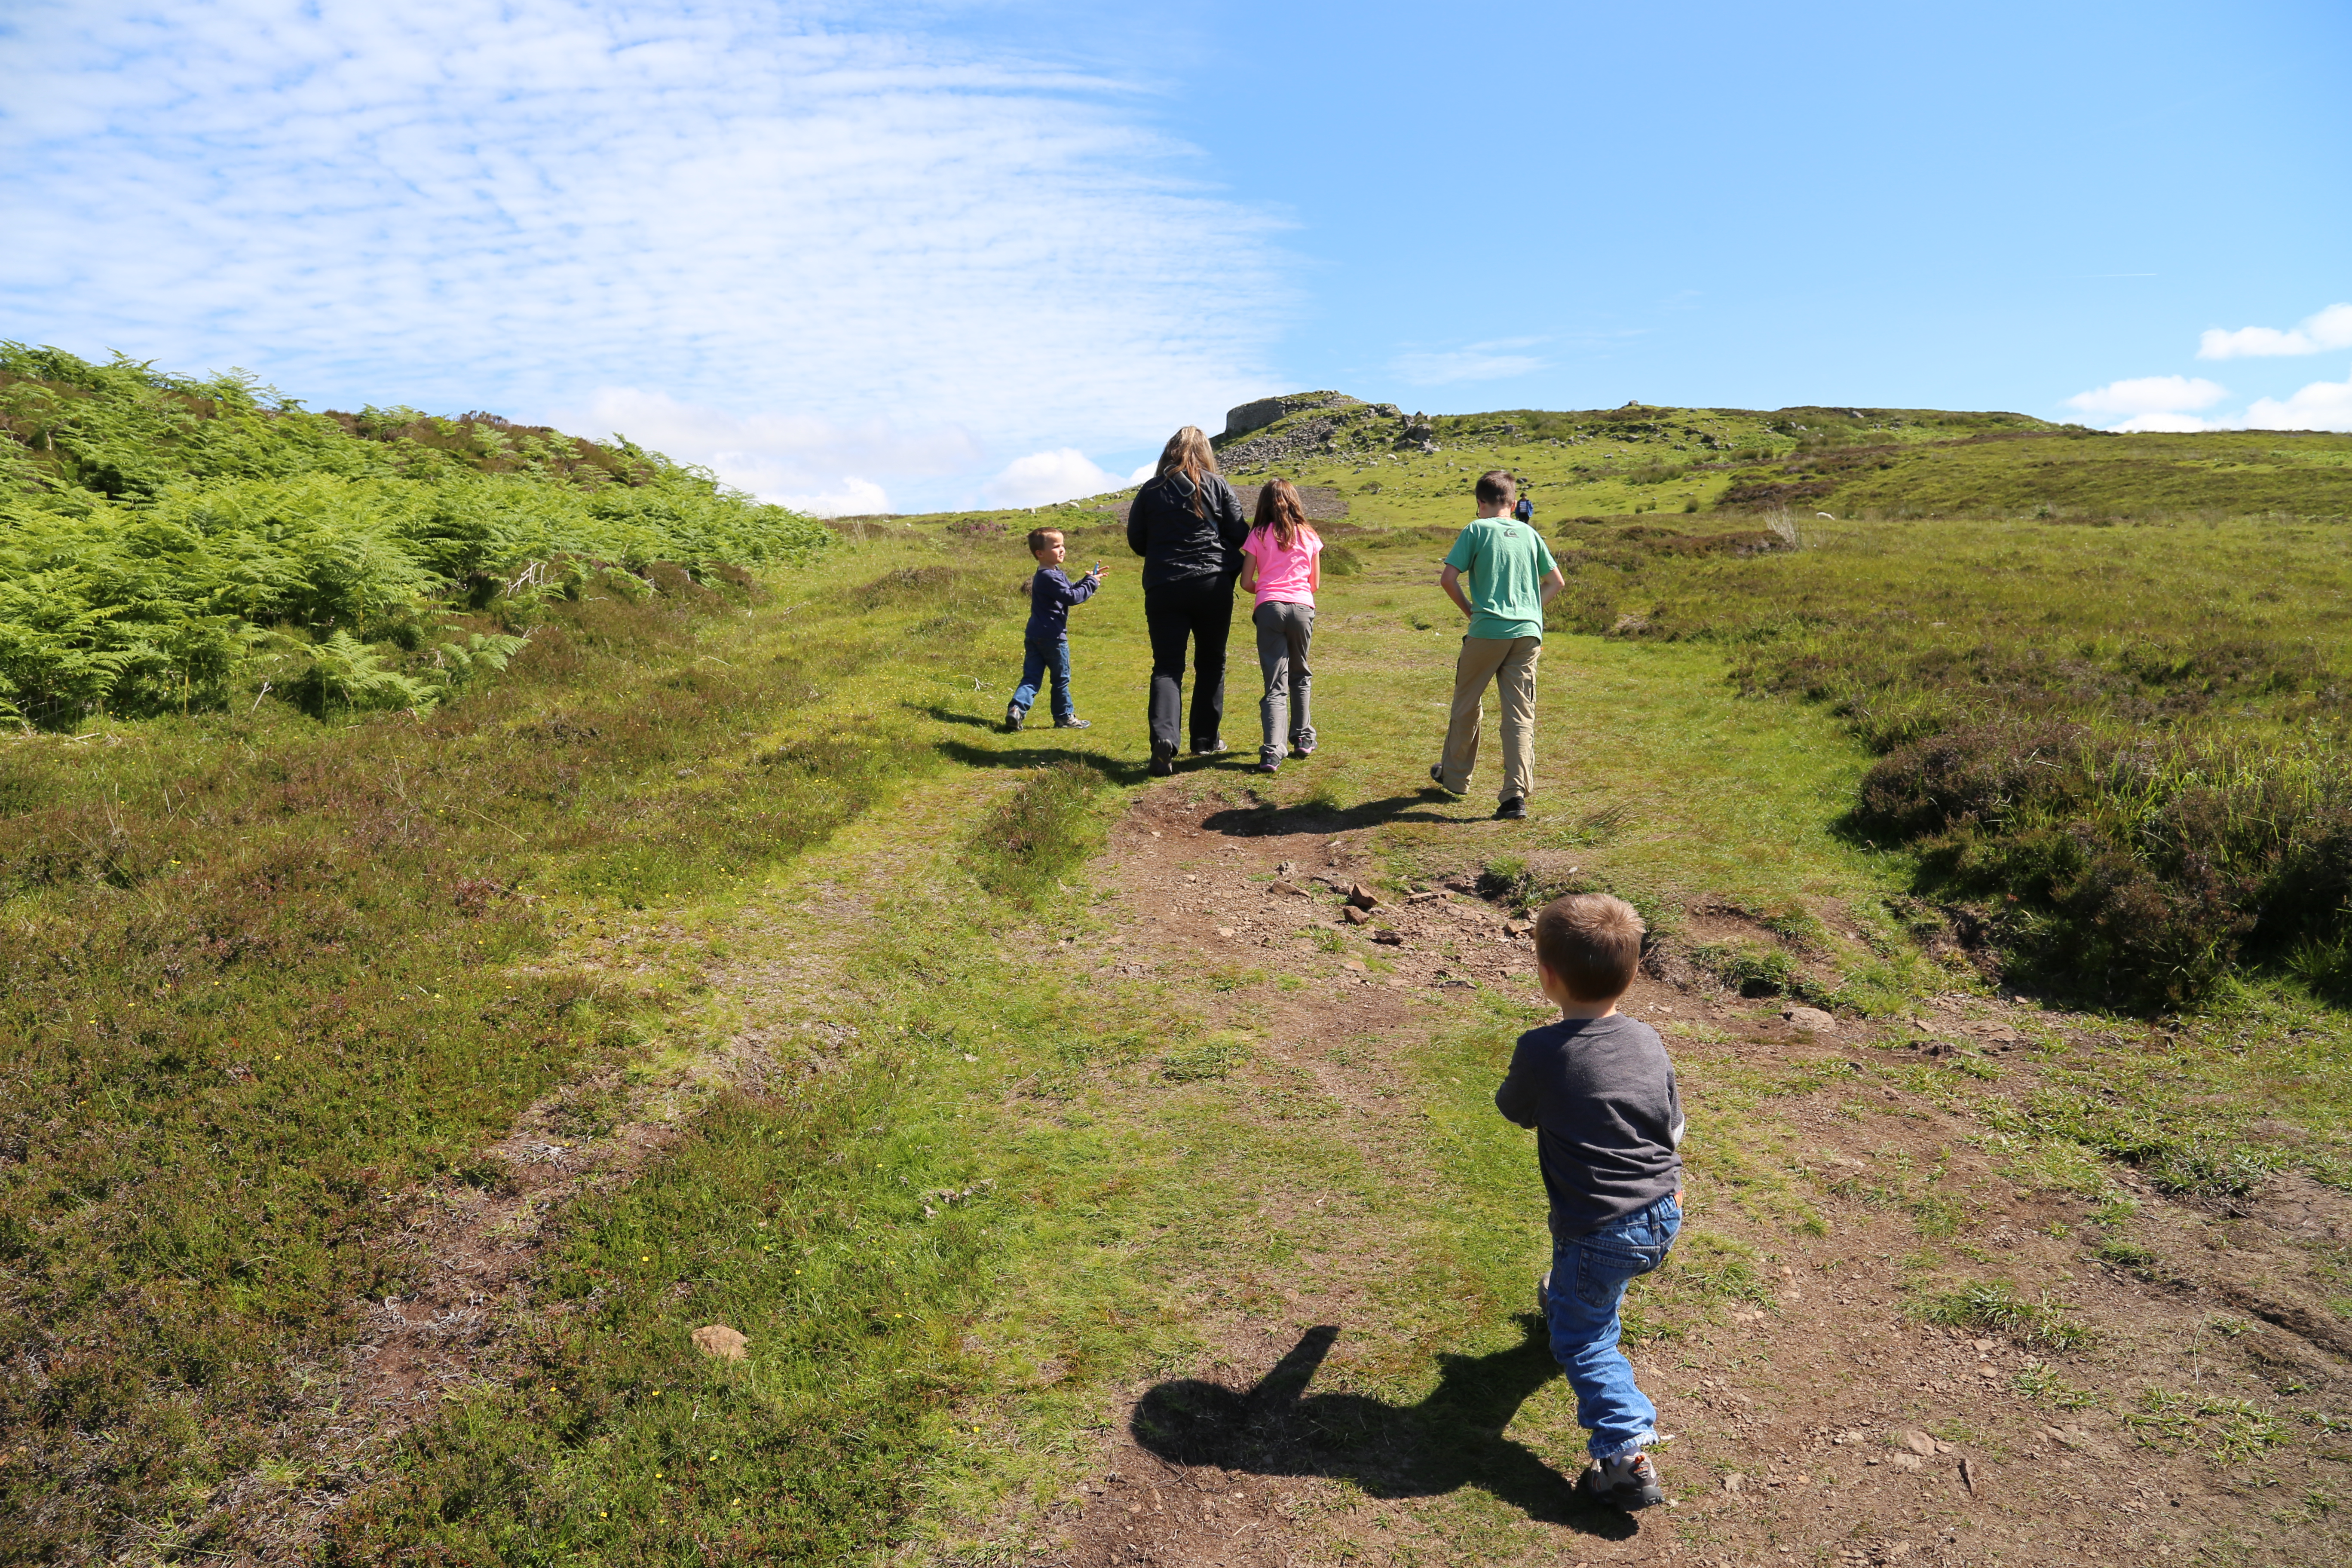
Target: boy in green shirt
(1512, 577)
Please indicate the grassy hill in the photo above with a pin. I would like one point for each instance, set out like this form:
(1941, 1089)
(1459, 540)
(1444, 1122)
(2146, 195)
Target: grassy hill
(404, 1057)
(168, 544)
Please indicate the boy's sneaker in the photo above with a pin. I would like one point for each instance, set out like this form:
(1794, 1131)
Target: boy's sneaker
(1628, 1483)
(1512, 810)
(1012, 717)
(1074, 723)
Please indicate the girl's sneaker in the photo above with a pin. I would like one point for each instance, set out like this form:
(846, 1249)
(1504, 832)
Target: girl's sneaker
(1267, 768)
(1628, 1483)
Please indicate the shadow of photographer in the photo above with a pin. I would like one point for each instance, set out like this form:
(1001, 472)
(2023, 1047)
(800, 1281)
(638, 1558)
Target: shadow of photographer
(1451, 1439)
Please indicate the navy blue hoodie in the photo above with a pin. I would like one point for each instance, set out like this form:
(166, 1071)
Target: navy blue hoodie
(1051, 594)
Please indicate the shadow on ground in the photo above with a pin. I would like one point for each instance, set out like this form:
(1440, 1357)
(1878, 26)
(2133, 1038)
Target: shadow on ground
(1451, 1439)
(1319, 817)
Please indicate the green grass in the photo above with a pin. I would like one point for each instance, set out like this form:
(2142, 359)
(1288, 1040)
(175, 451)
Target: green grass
(265, 974)
(974, 1183)
(172, 545)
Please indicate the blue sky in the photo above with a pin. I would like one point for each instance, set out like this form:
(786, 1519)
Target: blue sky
(911, 256)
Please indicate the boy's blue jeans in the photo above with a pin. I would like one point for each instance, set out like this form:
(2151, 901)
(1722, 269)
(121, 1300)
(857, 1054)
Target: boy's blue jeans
(1589, 1276)
(1035, 661)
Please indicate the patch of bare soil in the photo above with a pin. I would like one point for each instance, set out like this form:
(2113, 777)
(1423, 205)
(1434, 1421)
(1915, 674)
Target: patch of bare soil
(1817, 1418)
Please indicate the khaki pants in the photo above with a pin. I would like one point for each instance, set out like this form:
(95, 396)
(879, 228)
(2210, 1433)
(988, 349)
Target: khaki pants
(1510, 662)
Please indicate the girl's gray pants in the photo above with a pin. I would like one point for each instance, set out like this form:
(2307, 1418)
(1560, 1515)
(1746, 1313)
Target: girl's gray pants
(1284, 632)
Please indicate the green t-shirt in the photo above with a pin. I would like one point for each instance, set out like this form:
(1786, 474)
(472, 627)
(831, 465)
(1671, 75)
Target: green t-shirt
(1506, 563)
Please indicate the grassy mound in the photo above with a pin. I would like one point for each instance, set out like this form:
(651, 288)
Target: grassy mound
(167, 542)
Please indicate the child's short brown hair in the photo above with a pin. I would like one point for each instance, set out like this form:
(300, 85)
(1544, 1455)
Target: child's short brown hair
(1496, 488)
(1038, 536)
(1592, 942)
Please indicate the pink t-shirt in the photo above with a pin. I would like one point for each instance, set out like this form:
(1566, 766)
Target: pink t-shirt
(1283, 575)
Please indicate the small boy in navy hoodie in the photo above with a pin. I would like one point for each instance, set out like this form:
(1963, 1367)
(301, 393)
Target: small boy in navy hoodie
(1047, 640)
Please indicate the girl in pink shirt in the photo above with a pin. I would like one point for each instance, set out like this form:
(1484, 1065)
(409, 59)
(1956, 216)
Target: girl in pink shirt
(1279, 560)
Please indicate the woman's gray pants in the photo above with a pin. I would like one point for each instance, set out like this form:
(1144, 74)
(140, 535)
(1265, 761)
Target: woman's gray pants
(1283, 633)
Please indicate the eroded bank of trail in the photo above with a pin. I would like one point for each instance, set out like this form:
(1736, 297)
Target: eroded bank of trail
(2182, 1401)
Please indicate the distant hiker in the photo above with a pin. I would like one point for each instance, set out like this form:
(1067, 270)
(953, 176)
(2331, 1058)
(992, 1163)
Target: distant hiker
(1512, 577)
(1046, 641)
(1599, 1091)
(1525, 512)
(1282, 561)
(1187, 524)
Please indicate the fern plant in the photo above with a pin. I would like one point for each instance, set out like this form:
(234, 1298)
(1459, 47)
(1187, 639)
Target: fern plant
(167, 542)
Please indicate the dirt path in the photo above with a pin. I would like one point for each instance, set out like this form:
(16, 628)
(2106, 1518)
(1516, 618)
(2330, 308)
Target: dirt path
(1817, 1417)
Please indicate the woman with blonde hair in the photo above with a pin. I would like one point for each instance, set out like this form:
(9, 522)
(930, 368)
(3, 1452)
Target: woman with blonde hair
(1187, 524)
(1282, 562)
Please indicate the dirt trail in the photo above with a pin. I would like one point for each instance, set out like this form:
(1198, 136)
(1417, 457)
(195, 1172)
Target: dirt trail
(1816, 1420)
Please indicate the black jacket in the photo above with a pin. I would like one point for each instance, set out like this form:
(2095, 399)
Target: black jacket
(1180, 545)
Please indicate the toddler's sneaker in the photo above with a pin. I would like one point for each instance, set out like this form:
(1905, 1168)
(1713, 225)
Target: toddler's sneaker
(1074, 723)
(1012, 717)
(1628, 1483)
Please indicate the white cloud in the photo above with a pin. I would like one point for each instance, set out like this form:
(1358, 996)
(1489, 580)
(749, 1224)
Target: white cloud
(2149, 395)
(801, 461)
(855, 497)
(1062, 473)
(1143, 471)
(773, 209)
(1491, 361)
(2330, 328)
(2322, 405)
(2179, 424)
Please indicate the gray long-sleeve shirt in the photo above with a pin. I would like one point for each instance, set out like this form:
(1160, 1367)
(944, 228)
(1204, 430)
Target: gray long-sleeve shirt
(1600, 1093)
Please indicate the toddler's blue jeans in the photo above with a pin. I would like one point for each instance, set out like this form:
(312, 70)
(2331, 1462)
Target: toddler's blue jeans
(1038, 659)
(1589, 1276)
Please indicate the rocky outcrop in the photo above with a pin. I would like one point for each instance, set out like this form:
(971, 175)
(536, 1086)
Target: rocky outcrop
(1257, 415)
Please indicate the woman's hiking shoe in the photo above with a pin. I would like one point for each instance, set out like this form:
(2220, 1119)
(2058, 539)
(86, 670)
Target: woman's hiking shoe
(1628, 1483)
(1074, 723)
(1512, 810)
(1012, 717)
(1163, 759)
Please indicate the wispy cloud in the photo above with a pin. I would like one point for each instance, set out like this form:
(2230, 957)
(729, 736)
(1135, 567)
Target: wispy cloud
(2149, 395)
(1492, 361)
(814, 251)
(2330, 328)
